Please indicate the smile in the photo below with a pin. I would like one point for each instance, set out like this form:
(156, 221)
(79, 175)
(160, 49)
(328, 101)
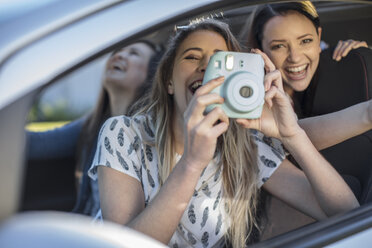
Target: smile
(195, 85)
(297, 69)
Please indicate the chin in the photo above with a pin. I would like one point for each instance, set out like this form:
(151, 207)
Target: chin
(298, 86)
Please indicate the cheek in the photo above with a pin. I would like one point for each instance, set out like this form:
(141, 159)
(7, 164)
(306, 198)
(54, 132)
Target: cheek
(276, 58)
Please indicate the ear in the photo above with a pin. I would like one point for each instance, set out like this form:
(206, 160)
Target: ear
(170, 88)
(320, 38)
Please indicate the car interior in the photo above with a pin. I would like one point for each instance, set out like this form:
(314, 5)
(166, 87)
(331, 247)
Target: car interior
(50, 184)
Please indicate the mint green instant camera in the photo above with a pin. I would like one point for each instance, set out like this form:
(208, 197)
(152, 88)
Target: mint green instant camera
(243, 89)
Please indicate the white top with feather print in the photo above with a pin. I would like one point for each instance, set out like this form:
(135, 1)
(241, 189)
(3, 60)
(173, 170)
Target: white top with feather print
(204, 221)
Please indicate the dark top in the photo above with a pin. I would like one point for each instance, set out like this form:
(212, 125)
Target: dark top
(62, 143)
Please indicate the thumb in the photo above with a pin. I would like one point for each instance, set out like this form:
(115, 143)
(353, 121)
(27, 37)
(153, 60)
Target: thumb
(250, 123)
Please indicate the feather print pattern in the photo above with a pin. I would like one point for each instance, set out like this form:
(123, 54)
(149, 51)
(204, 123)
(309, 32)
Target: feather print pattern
(205, 217)
(191, 214)
(149, 153)
(151, 180)
(267, 162)
(134, 145)
(138, 171)
(203, 222)
(217, 175)
(108, 146)
(205, 239)
(191, 238)
(219, 224)
(126, 121)
(122, 161)
(113, 124)
(215, 204)
(121, 137)
(206, 190)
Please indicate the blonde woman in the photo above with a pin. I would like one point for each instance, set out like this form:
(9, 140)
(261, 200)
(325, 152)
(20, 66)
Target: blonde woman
(192, 180)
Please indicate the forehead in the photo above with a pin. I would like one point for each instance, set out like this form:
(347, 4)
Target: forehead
(291, 25)
(204, 39)
(140, 46)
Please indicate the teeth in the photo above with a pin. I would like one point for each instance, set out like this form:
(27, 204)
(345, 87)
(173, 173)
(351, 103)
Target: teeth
(297, 69)
(196, 85)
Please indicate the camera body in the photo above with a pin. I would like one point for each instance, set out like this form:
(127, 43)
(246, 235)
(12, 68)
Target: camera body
(243, 89)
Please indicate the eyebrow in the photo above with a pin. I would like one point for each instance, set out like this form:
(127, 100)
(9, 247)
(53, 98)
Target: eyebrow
(298, 38)
(197, 49)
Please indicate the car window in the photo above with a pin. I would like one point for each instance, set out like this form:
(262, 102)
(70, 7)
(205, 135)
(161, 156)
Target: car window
(75, 94)
(69, 98)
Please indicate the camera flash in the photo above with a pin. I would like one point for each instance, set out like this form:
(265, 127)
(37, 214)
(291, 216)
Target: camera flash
(229, 62)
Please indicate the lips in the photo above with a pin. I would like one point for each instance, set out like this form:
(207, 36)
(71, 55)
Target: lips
(195, 85)
(118, 66)
(296, 72)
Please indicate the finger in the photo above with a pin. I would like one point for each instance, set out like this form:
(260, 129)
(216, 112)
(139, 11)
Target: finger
(348, 46)
(269, 65)
(336, 52)
(341, 50)
(219, 129)
(273, 78)
(199, 103)
(217, 114)
(358, 44)
(250, 123)
(209, 86)
(270, 94)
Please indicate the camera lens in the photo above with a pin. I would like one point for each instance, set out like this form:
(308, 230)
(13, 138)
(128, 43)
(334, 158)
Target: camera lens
(246, 91)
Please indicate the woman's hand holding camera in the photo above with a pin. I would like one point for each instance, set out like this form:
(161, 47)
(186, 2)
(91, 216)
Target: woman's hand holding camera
(201, 131)
(278, 118)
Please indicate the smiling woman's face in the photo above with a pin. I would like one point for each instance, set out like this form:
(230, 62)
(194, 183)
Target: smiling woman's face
(293, 44)
(190, 63)
(127, 68)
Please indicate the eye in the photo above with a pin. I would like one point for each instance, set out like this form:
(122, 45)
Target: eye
(277, 46)
(192, 57)
(308, 40)
(134, 52)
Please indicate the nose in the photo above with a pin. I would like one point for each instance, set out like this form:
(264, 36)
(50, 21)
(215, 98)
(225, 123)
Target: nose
(294, 54)
(204, 63)
(120, 55)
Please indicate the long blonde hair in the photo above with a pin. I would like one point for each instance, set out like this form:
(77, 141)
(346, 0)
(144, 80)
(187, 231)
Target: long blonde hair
(238, 153)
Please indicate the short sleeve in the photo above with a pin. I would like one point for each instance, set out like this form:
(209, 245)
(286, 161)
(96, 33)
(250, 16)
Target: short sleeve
(118, 147)
(270, 154)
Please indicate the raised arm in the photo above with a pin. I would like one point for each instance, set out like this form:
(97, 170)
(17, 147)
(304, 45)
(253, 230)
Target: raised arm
(318, 190)
(57, 143)
(330, 129)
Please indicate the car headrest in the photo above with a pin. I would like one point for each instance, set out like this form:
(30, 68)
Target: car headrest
(343, 83)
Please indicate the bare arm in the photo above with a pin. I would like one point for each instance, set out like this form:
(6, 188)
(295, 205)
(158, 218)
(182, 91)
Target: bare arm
(330, 129)
(318, 191)
(122, 201)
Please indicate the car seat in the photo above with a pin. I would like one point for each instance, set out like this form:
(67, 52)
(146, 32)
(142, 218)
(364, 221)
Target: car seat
(340, 85)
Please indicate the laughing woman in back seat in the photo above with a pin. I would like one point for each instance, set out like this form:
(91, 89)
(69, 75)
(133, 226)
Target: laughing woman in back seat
(127, 76)
(290, 35)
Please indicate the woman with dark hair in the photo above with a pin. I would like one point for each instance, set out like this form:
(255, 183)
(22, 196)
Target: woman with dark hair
(128, 75)
(290, 34)
(191, 179)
